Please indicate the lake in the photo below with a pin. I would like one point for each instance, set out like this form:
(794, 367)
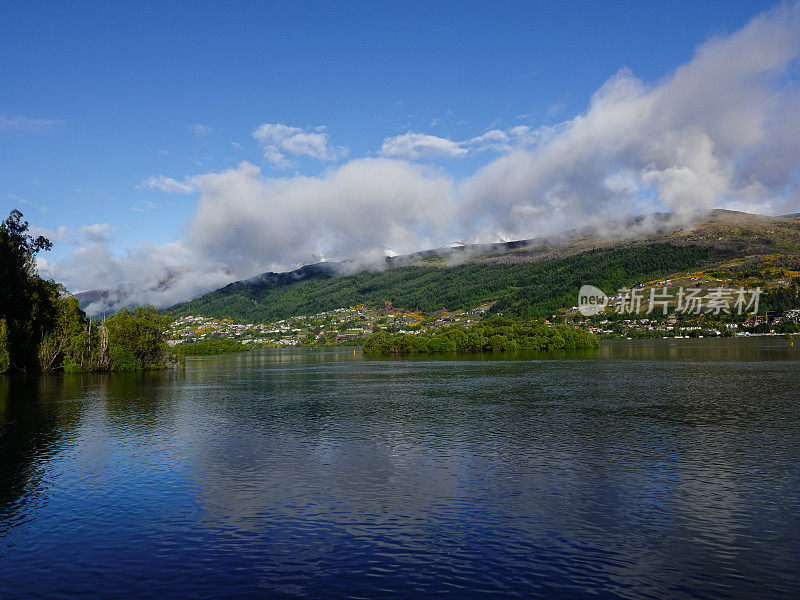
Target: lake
(645, 469)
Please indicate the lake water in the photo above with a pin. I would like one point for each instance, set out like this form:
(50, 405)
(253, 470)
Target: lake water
(652, 469)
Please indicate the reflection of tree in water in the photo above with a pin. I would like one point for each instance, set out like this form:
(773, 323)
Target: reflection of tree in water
(39, 416)
(137, 403)
(36, 416)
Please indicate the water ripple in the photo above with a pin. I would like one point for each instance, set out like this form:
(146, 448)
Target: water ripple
(645, 472)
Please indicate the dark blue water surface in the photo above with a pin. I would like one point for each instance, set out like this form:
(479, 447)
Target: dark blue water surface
(642, 470)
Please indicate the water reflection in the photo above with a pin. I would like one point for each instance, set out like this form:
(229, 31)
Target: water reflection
(31, 431)
(649, 469)
(767, 348)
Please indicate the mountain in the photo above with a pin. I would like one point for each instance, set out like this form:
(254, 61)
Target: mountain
(101, 302)
(528, 278)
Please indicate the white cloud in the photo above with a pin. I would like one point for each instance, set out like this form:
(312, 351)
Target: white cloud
(143, 206)
(251, 223)
(97, 232)
(416, 146)
(495, 140)
(279, 142)
(160, 275)
(493, 136)
(199, 129)
(167, 184)
(246, 224)
(19, 123)
(722, 130)
(52, 235)
(422, 146)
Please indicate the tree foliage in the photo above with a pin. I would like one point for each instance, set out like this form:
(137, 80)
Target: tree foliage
(26, 300)
(492, 335)
(209, 347)
(136, 339)
(780, 299)
(68, 341)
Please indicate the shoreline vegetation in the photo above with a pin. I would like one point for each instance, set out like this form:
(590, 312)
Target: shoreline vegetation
(43, 329)
(493, 335)
(209, 347)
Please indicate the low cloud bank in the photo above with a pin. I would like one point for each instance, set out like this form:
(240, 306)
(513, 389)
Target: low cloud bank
(722, 130)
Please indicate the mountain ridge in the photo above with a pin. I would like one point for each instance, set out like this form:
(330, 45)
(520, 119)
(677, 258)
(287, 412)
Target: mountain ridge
(731, 232)
(528, 277)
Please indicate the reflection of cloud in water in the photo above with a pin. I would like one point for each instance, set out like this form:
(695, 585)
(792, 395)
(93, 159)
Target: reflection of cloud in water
(642, 471)
(301, 471)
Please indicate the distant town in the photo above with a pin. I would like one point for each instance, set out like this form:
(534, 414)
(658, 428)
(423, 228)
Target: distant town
(354, 324)
(342, 326)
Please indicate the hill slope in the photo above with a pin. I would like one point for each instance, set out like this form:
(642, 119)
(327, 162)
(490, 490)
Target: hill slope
(530, 278)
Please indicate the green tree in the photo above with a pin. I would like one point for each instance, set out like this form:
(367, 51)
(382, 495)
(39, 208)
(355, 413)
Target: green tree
(209, 347)
(495, 335)
(25, 299)
(136, 339)
(43, 327)
(70, 341)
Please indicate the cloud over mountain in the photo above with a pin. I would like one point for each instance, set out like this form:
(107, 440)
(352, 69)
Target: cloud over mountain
(355, 211)
(721, 130)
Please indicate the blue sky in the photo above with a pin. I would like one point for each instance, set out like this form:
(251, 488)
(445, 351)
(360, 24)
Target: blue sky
(98, 97)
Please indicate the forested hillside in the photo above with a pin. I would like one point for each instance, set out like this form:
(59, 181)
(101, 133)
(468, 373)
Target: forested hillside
(527, 290)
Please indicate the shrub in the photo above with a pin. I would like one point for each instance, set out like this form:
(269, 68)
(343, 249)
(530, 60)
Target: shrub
(123, 359)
